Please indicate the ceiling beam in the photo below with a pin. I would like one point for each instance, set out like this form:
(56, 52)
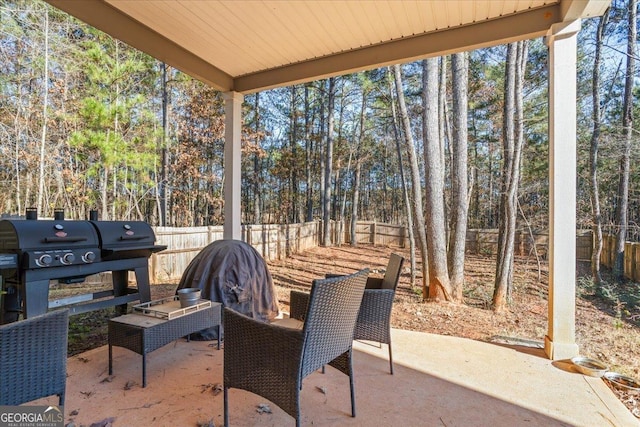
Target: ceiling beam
(510, 28)
(110, 20)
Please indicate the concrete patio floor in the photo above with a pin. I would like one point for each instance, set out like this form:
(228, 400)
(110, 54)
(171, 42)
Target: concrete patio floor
(438, 381)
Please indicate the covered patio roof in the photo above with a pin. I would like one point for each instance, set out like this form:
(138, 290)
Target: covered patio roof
(251, 45)
(245, 46)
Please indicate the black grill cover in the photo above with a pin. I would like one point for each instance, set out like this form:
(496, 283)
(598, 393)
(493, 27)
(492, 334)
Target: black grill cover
(233, 273)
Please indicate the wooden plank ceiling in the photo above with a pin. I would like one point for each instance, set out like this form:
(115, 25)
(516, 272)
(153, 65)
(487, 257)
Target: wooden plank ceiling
(252, 45)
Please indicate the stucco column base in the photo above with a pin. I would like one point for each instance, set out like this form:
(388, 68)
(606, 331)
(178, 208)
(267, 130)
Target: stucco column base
(558, 350)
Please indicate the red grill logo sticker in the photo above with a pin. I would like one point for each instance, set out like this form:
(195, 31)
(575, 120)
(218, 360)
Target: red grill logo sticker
(129, 233)
(61, 234)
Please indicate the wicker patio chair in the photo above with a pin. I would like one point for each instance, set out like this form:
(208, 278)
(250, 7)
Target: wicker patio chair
(272, 360)
(33, 358)
(374, 318)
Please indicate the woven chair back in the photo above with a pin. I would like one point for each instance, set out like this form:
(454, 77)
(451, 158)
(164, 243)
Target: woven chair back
(331, 317)
(33, 358)
(392, 275)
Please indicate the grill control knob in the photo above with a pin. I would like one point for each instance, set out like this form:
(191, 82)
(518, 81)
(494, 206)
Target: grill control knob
(89, 257)
(44, 260)
(67, 258)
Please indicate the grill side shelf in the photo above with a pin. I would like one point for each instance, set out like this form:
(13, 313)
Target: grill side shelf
(8, 261)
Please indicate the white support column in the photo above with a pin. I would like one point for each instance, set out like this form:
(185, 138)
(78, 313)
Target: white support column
(560, 342)
(232, 165)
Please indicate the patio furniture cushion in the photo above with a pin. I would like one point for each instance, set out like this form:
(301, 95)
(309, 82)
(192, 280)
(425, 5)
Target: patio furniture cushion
(288, 322)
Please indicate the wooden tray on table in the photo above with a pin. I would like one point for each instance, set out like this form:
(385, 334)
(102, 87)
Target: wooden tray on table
(169, 308)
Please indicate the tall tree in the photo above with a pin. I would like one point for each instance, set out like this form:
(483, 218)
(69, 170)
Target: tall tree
(411, 227)
(164, 151)
(435, 223)
(328, 171)
(357, 172)
(459, 184)
(257, 165)
(593, 153)
(512, 142)
(627, 130)
(415, 180)
(45, 106)
(308, 161)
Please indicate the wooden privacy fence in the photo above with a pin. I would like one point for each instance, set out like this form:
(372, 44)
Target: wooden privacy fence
(631, 256)
(275, 241)
(485, 242)
(272, 241)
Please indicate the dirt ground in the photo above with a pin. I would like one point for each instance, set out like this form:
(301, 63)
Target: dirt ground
(607, 322)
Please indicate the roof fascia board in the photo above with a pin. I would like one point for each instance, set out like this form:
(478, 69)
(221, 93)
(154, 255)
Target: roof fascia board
(507, 29)
(570, 10)
(110, 20)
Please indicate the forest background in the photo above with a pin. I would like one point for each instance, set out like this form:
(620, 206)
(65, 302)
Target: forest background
(87, 122)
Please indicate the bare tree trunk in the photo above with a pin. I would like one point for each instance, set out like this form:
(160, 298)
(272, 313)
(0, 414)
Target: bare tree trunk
(459, 196)
(103, 190)
(328, 167)
(593, 156)
(356, 173)
(439, 284)
(116, 135)
(164, 151)
(405, 191)
(627, 129)
(257, 168)
(355, 201)
(504, 254)
(445, 136)
(415, 181)
(321, 150)
(293, 217)
(45, 103)
(16, 158)
(338, 189)
(308, 154)
(513, 140)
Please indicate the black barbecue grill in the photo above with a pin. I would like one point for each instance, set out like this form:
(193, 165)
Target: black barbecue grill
(35, 252)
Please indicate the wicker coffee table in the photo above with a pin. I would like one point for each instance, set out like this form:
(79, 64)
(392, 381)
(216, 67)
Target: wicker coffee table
(144, 333)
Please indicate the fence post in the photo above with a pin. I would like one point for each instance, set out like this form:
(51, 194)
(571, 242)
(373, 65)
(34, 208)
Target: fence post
(373, 233)
(636, 260)
(632, 255)
(152, 273)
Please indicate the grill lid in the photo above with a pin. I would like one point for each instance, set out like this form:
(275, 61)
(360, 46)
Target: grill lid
(24, 235)
(48, 243)
(126, 239)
